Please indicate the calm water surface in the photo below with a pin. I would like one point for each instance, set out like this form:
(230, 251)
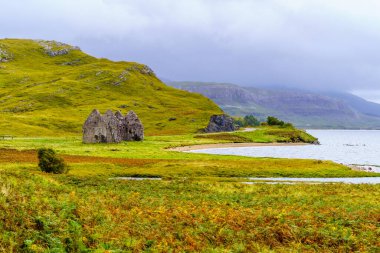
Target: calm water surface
(359, 147)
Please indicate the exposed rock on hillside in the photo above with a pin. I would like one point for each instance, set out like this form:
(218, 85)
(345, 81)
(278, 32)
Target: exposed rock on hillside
(111, 128)
(54, 48)
(143, 69)
(4, 54)
(220, 123)
(146, 71)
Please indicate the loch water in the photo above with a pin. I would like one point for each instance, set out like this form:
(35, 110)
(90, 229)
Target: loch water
(350, 147)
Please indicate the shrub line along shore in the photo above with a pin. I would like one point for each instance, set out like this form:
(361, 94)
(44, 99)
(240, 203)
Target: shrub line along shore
(232, 145)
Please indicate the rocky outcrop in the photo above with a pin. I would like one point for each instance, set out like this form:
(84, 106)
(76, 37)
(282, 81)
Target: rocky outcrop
(5, 56)
(54, 48)
(143, 69)
(220, 123)
(126, 74)
(112, 128)
(316, 142)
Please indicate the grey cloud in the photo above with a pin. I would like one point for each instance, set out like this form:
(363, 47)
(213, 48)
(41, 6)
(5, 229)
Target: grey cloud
(330, 44)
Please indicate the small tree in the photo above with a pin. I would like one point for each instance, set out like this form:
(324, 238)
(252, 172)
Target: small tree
(239, 122)
(50, 162)
(250, 120)
(273, 121)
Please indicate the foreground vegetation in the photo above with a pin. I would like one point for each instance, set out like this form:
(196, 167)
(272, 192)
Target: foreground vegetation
(200, 204)
(58, 213)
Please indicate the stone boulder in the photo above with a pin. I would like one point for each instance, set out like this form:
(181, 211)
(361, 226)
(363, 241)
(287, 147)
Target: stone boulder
(220, 123)
(135, 129)
(112, 128)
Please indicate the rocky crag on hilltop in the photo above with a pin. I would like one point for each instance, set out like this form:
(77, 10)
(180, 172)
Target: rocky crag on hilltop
(112, 128)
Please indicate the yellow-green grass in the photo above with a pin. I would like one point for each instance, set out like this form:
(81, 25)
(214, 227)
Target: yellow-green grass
(200, 205)
(43, 95)
(154, 159)
(67, 213)
(263, 135)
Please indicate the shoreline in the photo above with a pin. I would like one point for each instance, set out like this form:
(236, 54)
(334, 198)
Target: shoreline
(364, 168)
(232, 145)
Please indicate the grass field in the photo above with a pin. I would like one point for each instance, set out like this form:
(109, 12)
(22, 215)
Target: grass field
(263, 135)
(152, 158)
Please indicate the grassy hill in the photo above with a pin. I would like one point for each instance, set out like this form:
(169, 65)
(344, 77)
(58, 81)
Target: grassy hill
(49, 88)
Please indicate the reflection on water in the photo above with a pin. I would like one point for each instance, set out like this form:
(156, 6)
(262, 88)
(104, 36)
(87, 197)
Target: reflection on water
(360, 147)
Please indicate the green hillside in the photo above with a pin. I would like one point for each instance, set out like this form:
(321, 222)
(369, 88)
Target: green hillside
(49, 88)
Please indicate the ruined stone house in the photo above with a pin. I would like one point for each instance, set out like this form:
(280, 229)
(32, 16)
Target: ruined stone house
(112, 128)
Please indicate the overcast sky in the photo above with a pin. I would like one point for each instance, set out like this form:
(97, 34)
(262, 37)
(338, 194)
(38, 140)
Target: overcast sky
(325, 44)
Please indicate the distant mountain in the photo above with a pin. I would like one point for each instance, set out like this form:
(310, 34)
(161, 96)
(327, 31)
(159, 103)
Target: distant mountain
(358, 103)
(303, 108)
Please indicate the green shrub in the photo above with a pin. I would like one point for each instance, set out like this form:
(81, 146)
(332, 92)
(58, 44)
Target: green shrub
(49, 161)
(250, 120)
(288, 125)
(273, 121)
(247, 121)
(239, 122)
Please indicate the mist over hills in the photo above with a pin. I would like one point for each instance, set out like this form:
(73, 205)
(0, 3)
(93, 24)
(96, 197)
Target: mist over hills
(308, 109)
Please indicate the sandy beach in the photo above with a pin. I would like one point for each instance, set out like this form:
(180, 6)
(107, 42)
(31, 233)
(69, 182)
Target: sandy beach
(233, 145)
